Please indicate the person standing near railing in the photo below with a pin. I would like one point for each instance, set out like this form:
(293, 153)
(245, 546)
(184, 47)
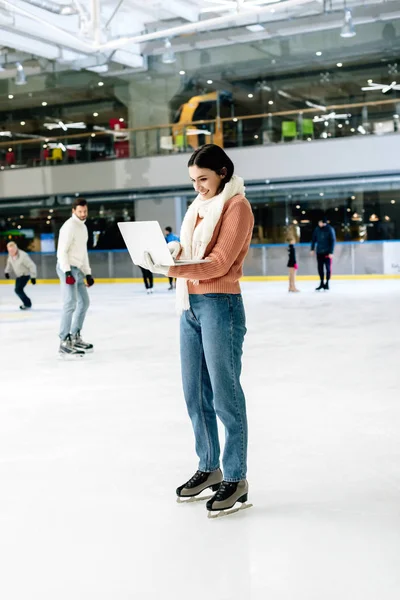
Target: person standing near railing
(74, 271)
(24, 268)
(171, 237)
(324, 239)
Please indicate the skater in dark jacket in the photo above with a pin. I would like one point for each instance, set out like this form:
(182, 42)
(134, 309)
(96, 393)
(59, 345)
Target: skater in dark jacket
(324, 239)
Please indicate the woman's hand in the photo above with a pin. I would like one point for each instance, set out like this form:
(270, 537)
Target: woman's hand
(174, 248)
(148, 263)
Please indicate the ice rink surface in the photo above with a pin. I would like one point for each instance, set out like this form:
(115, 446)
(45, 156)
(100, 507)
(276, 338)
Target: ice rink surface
(91, 451)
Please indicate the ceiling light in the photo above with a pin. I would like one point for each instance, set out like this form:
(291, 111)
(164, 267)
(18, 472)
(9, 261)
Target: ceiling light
(121, 119)
(256, 137)
(20, 77)
(10, 150)
(349, 210)
(168, 56)
(348, 30)
(209, 81)
(353, 197)
(22, 123)
(270, 101)
(319, 53)
(339, 64)
(51, 210)
(340, 126)
(93, 135)
(255, 28)
(95, 114)
(44, 103)
(395, 116)
(336, 209)
(321, 193)
(303, 212)
(19, 226)
(369, 81)
(297, 205)
(326, 123)
(100, 83)
(235, 120)
(393, 202)
(182, 72)
(10, 96)
(250, 95)
(352, 130)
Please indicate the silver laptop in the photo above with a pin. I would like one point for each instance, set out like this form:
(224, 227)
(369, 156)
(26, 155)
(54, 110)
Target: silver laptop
(147, 236)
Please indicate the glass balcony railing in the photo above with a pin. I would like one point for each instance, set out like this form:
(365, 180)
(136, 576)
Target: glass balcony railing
(314, 123)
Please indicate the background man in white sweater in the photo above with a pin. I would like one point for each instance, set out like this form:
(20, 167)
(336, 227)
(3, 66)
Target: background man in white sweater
(75, 276)
(24, 268)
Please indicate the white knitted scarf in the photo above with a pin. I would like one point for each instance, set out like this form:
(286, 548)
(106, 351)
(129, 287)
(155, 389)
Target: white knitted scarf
(194, 240)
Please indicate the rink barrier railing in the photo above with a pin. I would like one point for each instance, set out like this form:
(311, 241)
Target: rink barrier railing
(264, 262)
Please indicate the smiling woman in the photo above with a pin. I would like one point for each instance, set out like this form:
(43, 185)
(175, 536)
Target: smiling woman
(218, 226)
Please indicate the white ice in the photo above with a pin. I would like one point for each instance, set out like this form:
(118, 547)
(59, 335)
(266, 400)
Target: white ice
(91, 452)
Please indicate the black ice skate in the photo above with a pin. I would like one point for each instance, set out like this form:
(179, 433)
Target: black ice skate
(326, 286)
(79, 344)
(189, 491)
(67, 349)
(228, 494)
(320, 287)
(23, 307)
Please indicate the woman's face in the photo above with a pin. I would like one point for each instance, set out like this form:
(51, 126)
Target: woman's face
(205, 181)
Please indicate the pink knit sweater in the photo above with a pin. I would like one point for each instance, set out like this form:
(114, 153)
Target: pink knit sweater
(226, 251)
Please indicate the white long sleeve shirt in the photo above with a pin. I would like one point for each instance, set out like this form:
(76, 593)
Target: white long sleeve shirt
(21, 264)
(72, 246)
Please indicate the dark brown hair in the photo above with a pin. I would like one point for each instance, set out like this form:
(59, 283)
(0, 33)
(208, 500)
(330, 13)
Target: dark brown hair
(78, 202)
(213, 157)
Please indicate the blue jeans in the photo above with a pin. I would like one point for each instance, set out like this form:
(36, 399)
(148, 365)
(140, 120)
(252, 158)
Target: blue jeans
(75, 302)
(212, 334)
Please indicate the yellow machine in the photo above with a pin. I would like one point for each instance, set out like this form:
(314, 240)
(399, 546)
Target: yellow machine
(198, 108)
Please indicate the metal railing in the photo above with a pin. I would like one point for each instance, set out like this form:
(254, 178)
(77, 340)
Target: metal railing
(291, 126)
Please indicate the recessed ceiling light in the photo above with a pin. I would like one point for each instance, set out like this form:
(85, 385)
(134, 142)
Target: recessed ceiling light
(319, 53)
(321, 193)
(95, 114)
(352, 130)
(182, 72)
(234, 120)
(209, 81)
(250, 95)
(10, 96)
(270, 101)
(44, 103)
(93, 135)
(339, 64)
(22, 123)
(255, 28)
(393, 202)
(121, 119)
(396, 116)
(256, 137)
(369, 81)
(297, 205)
(101, 83)
(340, 126)
(353, 197)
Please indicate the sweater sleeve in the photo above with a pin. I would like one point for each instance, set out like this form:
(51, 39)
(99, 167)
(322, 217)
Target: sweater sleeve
(29, 264)
(8, 268)
(64, 242)
(86, 266)
(236, 224)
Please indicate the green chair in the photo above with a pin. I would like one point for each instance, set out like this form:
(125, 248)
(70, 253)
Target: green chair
(289, 130)
(307, 128)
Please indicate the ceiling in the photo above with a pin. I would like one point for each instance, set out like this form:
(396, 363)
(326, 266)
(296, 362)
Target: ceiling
(118, 36)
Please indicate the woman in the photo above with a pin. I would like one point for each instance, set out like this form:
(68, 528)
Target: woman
(218, 226)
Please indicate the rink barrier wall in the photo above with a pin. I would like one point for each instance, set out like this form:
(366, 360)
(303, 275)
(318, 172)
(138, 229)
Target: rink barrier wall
(264, 262)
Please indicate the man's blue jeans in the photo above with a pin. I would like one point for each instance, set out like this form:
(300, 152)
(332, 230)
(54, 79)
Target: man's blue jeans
(212, 334)
(75, 302)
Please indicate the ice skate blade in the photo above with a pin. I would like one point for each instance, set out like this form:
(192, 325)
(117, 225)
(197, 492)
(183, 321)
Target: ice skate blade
(69, 356)
(225, 513)
(191, 499)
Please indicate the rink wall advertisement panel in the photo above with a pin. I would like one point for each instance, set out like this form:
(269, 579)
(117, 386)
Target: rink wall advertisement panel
(361, 155)
(370, 259)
